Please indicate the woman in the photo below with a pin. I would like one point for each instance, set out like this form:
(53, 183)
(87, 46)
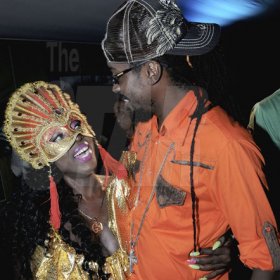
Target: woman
(44, 126)
(72, 234)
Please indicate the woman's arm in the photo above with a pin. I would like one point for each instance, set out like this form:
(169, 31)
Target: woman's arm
(216, 260)
(262, 275)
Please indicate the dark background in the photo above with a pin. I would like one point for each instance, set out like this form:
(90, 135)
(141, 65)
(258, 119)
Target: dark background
(252, 54)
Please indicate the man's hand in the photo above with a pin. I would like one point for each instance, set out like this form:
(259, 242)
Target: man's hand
(216, 259)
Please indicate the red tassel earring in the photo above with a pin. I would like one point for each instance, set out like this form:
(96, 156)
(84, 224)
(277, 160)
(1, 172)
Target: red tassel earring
(111, 165)
(55, 215)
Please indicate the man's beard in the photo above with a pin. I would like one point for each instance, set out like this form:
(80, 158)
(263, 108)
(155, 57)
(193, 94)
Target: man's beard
(141, 115)
(137, 114)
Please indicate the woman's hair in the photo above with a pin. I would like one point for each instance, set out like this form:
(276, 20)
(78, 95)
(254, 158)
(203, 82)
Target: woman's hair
(25, 224)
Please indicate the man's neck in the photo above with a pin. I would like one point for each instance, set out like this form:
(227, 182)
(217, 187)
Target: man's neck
(167, 102)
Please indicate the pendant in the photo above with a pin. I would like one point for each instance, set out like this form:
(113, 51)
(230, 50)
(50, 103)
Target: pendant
(96, 226)
(132, 259)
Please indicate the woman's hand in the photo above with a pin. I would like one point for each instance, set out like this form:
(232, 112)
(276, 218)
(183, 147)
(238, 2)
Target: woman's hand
(216, 259)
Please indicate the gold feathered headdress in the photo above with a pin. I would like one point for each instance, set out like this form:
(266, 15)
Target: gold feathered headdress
(34, 112)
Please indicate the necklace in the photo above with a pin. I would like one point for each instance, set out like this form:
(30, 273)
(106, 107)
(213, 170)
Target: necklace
(147, 142)
(133, 241)
(96, 226)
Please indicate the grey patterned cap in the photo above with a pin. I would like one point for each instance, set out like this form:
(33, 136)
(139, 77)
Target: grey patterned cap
(140, 30)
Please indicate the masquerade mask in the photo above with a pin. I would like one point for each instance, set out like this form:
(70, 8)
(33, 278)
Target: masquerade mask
(42, 123)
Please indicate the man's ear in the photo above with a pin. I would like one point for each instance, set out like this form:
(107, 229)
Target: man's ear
(154, 72)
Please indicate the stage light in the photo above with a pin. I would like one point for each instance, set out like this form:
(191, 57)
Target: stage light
(223, 12)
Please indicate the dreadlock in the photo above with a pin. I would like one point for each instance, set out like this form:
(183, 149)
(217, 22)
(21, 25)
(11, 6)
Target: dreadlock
(200, 110)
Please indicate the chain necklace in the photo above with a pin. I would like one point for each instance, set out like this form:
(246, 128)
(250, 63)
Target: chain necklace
(84, 214)
(96, 225)
(132, 257)
(147, 142)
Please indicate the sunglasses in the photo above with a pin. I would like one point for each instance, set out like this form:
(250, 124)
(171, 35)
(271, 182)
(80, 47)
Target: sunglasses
(116, 77)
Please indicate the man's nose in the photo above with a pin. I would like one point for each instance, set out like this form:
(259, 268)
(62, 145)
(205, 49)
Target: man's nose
(116, 88)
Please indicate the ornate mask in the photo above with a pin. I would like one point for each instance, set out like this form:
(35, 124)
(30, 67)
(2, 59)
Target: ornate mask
(42, 123)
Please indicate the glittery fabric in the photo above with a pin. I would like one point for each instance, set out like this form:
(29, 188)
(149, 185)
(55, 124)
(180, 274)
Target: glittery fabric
(61, 261)
(117, 265)
(118, 196)
(37, 113)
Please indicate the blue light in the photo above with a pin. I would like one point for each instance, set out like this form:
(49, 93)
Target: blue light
(223, 12)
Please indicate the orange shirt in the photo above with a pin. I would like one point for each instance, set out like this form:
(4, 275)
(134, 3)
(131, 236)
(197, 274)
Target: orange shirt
(228, 180)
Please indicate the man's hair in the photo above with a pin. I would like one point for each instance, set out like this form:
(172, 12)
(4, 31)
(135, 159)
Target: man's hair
(208, 71)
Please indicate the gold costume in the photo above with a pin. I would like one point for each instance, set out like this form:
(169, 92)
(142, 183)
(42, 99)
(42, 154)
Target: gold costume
(61, 262)
(37, 115)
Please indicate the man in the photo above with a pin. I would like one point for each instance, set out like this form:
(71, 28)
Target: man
(199, 171)
(264, 126)
(265, 115)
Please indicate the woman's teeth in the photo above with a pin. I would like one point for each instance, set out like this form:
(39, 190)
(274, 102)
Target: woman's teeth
(85, 150)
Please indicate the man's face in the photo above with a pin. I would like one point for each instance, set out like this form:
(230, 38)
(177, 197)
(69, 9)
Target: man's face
(133, 88)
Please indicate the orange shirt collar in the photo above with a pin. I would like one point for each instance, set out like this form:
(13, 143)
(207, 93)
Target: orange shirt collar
(185, 108)
(180, 112)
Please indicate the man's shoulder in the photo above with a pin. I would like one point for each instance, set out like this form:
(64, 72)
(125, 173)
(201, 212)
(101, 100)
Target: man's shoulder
(224, 136)
(274, 98)
(223, 127)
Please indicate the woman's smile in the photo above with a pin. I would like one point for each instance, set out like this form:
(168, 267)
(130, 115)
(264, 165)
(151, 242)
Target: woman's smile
(83, 152)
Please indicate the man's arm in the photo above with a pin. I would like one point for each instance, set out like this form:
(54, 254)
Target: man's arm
(243, 201)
